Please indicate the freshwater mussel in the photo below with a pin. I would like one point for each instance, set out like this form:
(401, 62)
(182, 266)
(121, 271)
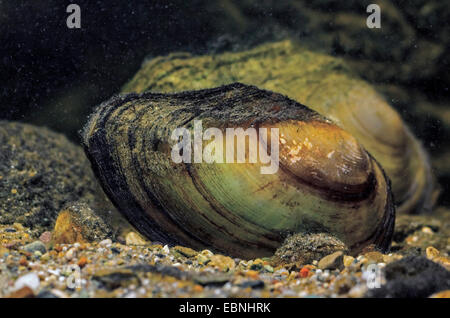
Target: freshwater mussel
(323, 181)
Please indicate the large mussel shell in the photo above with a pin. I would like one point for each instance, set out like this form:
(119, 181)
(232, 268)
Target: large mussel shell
(326, 182)
(323, 83)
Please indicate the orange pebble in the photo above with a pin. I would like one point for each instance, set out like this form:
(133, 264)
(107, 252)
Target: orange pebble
(82, 261)
(252, 274)
(304, 272)
(198, 288)
(23, 261)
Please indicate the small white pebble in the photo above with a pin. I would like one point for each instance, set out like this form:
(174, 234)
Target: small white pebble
(31, 280)
(105, 243)
(55, 272)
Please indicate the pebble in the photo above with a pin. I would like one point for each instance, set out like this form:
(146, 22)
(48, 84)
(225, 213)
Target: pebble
(304, 272)
(202, 259)
(71, 253)
(332, 261)
(67, 230)
(431, 252)
(207, 253)
(82, 261)
(35, 246)
(348, 260)
(374, 257)
(24, 292)
(212, 280)
(115, 278)
(31, 280)
(110, 269)
(185, 251)
(254, 284)
(222, 262)
(46, 237)
(133, 238)
(105, 243)
(268, 268)
(427, 230)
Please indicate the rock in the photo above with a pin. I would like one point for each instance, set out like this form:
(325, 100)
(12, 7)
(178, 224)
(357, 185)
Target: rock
(374, 257)
(185, 251)
(202, 259)
(30, 280)
(79, 223)
(160, 269)
(431, 252)
(348, 260)
(305, 248)
(257, 265)
(41, 171)
(268, 268)
(82, 261)
(133, 238)
(71, 253)
(35, 246)
(46, 294)
(212, 279)
(105, 243)
(332, 261)
(46, 237)
(115, 278)
(224, 263)
(24, 292)
(253, 284)
(412, 277)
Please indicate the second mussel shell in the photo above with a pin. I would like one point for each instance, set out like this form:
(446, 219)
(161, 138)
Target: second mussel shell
(326, 85)
(326, 182)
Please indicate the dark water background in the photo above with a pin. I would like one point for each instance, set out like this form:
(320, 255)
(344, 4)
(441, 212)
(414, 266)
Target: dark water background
(53, 76)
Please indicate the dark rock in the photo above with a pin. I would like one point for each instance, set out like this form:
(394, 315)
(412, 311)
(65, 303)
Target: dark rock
(115, 250)
(253, 284)
(46, 294)
(159, 269)
(115, 278)
(212, 279)
(412, 277)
